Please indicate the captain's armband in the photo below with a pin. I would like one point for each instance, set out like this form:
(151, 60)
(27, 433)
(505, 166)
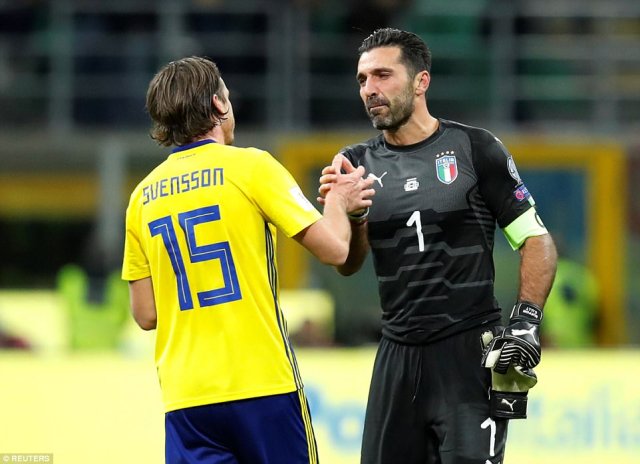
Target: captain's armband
(528, 224)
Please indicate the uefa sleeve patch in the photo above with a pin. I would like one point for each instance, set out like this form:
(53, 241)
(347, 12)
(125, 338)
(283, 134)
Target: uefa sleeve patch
(521, 193)
(297, 194)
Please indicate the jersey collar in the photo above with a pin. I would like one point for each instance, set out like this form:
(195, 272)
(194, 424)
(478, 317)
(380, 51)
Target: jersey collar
(415, 146)
(191, 145)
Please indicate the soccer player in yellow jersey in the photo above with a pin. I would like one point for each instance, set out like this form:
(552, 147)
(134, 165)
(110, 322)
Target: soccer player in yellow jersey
(200, 259)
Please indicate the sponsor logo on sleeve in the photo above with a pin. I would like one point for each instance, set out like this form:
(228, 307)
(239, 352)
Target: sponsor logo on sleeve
(513, 171)
(521, 193)
(297, 194)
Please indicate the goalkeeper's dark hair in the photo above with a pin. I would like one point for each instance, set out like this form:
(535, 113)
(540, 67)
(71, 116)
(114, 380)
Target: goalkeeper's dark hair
(180, 100)
(416, 55)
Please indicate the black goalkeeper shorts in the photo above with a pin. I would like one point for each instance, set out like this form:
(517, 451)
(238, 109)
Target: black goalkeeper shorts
(429, 404)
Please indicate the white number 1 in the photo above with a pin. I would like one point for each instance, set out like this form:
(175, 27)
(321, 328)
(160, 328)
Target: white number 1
(415, 219)
(492, 441)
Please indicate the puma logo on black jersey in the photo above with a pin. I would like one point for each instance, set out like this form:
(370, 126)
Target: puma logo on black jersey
(376, 178)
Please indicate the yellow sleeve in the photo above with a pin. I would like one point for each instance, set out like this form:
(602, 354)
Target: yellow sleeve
(135, 264)
(279, 197)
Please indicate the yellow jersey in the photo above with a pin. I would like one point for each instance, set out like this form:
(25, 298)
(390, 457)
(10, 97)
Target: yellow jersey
(202, 225)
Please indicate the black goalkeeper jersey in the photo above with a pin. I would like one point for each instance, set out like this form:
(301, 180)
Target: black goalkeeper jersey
(432, 228)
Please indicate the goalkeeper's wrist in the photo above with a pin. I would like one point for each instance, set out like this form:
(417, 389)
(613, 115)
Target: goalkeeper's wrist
(360, 217)
(507, 405)
(526, 311)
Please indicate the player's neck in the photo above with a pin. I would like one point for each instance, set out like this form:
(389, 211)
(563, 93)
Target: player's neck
(419, 127)
(216, 134)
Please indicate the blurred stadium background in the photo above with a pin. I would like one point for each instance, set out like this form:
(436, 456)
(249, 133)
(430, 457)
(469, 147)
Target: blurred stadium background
(558, 81)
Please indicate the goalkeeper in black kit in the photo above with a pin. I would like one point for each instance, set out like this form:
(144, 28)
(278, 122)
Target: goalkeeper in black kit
(447, 376)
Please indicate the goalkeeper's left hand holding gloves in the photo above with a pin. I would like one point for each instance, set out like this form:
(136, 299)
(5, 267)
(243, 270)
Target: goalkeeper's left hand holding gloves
(511, 356)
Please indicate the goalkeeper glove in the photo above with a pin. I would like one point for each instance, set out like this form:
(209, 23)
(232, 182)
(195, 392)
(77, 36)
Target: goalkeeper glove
(519, 342)
(508, 395)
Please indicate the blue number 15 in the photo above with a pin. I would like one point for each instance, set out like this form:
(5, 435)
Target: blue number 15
(198, 253)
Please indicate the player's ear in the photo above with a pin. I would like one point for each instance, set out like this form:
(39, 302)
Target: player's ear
(422, 81)
(219, 104)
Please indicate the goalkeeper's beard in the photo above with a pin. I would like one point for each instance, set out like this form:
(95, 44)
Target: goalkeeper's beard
(394, 113)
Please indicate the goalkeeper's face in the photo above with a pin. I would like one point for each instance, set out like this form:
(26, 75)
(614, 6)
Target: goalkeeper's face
(386, 89)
